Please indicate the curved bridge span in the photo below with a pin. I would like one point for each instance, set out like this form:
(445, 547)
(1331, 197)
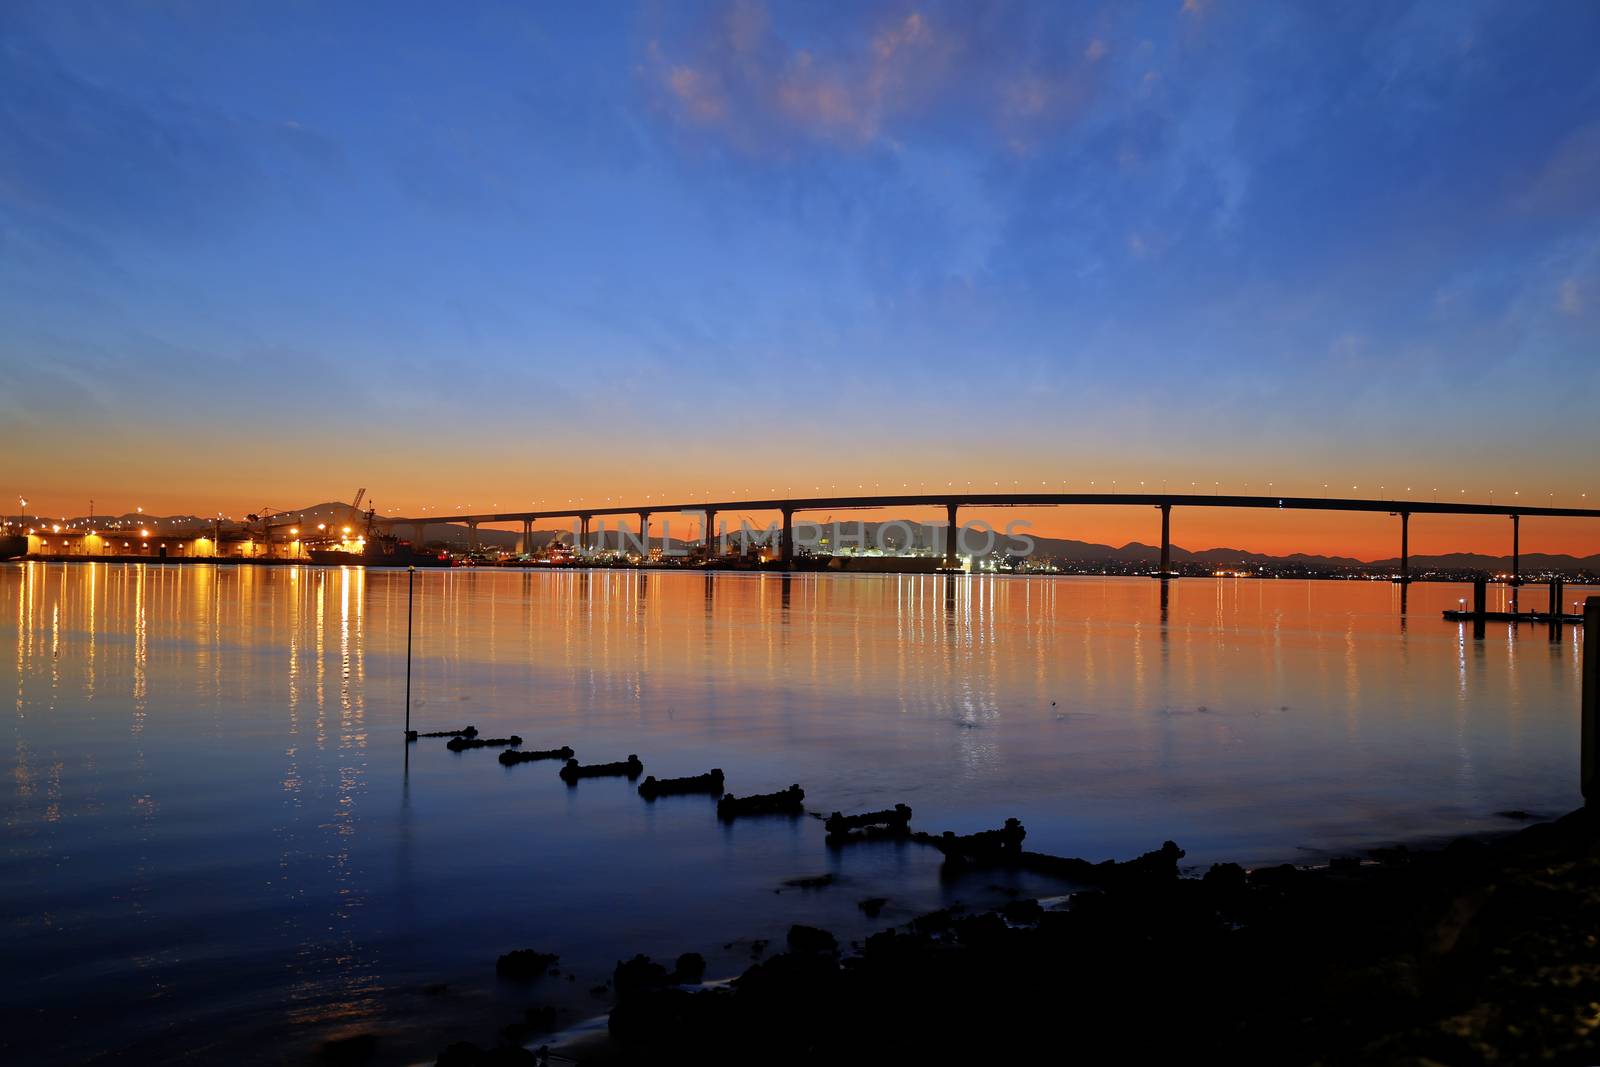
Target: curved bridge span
(953, 502)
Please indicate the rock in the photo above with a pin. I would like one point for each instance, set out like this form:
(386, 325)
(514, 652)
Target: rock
(986, 846)
(786, 802)
(690, 969)
(465, 731)
(357, 1048)
(872, 906)
(1225, 878)
(818, 881)
(637, 974)
(461, 744)
(810, 939)
(538, 1020)
(628, 768)
(1022, 911)
(897, 816)
(524, 964)
(529, 755)
(466, 1054)
(710, 782)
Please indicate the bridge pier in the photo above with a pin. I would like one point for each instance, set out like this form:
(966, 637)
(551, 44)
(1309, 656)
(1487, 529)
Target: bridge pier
(644, 534)
(1405, 547)
(951, 534)
(786, 545)
(472, 536)
(419, 531)
(525, 545)
(1166, 540)
(1516, 549)
(583, 534)
(710, 534)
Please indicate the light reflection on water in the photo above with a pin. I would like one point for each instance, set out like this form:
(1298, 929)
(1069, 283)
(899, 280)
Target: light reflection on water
(213, 823)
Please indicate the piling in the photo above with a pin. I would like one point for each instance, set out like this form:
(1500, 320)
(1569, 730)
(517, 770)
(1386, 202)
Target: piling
(1480, 596)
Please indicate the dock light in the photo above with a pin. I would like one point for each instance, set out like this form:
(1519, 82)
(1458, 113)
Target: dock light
(322, 526)
(294, 531)
(144, 533)
(347, 531)
(56, 528)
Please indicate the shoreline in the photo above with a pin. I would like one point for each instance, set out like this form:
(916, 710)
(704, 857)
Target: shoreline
(1473, 952)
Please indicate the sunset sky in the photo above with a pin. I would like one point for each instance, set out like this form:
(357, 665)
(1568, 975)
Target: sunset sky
(264, 254)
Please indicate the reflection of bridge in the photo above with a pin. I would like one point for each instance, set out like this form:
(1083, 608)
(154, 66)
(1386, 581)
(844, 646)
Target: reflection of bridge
(1164, 502)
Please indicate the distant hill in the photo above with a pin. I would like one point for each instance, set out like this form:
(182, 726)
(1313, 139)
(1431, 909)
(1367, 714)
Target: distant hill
(922, 535)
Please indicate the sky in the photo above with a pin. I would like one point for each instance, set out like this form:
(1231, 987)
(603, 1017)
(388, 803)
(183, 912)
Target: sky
(492, 254)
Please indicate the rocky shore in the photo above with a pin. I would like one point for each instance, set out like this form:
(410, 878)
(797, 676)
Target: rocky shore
(1483, 952)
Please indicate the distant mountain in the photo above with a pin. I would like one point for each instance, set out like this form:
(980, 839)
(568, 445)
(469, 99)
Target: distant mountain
(923, 535)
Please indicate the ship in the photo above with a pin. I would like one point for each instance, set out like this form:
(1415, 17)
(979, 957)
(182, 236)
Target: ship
(378, 549)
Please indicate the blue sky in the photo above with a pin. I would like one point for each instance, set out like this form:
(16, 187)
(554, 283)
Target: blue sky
(490, 249)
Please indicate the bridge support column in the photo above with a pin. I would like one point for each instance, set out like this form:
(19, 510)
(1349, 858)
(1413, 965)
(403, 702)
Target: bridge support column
(419, 531)
(786, 545)
(472, 537)
(1590, 736)
(1516, 549)
(583, 534)
(1405, 547)
(710, 537)
(951, 535)
(644, 533)
(1166, 540)
(525, 545)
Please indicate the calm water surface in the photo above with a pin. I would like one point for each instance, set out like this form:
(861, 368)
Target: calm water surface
(218, 846)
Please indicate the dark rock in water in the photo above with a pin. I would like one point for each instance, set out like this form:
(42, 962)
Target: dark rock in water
(628, 768)
(818, 881)
(897, 816)
(358, 1048)
(642, 973)
(540, 1020)
(524, 964)
(465, 731)
(758, 947)
(1022, 911)
(788, 802)
(639, 973)
(459, 744)
(1516, 814)
(710, 782)
(872, 906)
(810, 939)
(1282, 874)
(690, 969)
(987, 846)
(466, 1054)
(1225, 877)
(528, 755)
(601, 990)
(933, 922)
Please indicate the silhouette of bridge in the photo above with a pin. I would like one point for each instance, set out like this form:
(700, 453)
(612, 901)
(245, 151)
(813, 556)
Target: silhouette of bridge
(952, 503)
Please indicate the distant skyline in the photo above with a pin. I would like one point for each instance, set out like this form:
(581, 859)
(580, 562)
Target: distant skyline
(261, 255)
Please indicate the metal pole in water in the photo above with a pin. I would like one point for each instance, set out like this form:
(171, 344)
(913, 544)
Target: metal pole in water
(411, 585)
(1591, 701)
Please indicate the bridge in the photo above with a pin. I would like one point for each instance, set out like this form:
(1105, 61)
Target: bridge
(952, 503)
